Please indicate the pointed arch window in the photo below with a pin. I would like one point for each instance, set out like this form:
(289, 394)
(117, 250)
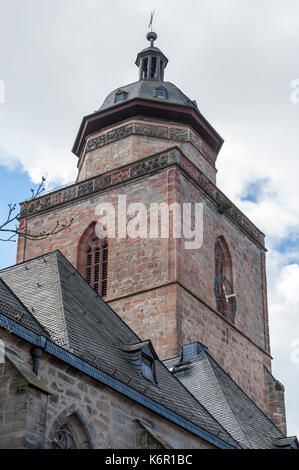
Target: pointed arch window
(93, 260)
(96, 265)
(224, 289)
(71, 435)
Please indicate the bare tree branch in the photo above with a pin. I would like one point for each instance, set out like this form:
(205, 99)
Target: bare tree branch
(12, 232)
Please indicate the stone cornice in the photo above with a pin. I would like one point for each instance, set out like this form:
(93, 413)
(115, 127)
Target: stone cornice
(147, 108)
(146, 166)
(141, 128)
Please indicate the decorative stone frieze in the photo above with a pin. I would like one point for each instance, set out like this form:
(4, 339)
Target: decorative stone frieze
(141, 168)
(150, 130)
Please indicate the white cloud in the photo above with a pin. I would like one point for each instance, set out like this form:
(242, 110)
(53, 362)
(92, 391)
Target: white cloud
(284, 304)
(61, 59)
(288, 286)
(284, 328)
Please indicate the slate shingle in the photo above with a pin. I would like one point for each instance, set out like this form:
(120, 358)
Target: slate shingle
(232, 408)
(64, 302)
(13, 308)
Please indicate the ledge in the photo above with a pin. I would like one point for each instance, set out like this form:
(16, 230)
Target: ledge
(146, 166)
(150, 129)
(170, 112)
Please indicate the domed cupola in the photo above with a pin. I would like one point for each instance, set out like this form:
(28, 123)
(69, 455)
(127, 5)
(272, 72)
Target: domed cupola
(151, 61)
(149, 98)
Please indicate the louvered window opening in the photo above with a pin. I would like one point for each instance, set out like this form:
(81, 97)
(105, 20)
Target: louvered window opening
(97, 266)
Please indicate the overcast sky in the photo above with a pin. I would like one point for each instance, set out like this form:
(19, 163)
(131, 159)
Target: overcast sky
(237, 58)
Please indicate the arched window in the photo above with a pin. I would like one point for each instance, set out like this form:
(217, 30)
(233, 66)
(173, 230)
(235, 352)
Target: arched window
(224, 290)
(71, 435)
(93, 260)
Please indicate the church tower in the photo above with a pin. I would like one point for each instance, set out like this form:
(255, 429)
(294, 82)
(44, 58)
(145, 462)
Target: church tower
(150, 143)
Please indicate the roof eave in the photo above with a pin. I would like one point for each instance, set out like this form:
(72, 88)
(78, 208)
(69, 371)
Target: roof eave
(113, 383)
(101, 119)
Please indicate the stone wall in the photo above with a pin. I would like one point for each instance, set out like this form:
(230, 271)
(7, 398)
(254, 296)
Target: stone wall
(276, 400)
(137, 265)
(196, 268)
(133, 140)
(23, 411)
(163, 291)
(108, 418)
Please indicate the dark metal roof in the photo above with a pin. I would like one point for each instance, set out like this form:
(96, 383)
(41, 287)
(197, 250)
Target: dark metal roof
(227, 402)
(146, 89)
(154, 108)
(93, 331)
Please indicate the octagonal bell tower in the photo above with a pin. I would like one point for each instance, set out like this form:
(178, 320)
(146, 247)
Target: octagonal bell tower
(148, 102)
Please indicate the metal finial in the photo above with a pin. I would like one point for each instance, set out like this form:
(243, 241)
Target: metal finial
(151, 20)
(151, 36)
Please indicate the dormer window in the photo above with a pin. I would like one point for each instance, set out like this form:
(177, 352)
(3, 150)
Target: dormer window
(120, 96)
(147, 367)
(162, 93)
(142, 357)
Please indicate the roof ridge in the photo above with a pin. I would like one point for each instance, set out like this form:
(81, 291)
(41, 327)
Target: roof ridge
(250, 399)
(60, 254)
(34, 281)
(194, 398)
(29, 260)
(61, 298)
(32, 317)
(156, 394)
(207, 356)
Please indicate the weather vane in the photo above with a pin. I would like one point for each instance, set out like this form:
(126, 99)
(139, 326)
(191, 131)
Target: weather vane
(151, 20)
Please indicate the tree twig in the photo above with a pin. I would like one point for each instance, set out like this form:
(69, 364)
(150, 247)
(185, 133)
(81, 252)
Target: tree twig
(12, 233)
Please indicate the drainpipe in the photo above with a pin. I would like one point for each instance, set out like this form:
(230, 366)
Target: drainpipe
(36, 354)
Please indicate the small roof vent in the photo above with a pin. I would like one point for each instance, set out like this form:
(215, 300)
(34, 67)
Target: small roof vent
(182, 367)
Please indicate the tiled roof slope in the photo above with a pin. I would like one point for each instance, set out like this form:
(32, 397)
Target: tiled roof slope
(93, 331)
(11, 307)
(36, 283)
(220, 395)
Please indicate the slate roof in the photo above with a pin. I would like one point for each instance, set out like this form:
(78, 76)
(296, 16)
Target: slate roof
(15, 310)
(63, 302)
(146, 89)
(286, 443)
(220, 395)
